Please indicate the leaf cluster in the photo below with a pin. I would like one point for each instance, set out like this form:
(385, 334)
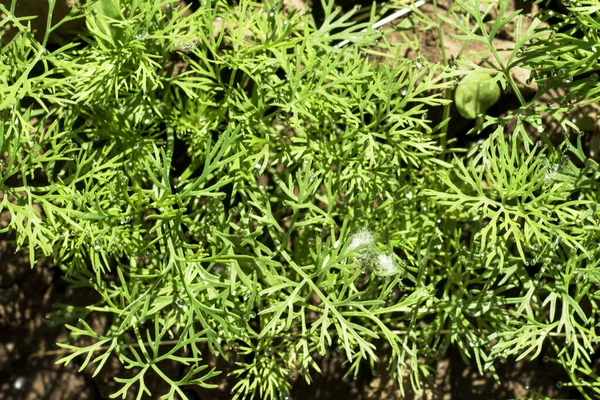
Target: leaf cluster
(230, 182)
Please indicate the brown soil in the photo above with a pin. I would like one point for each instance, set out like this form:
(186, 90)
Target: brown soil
(40, 9)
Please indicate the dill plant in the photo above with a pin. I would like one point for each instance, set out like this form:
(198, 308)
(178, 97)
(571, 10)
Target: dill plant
(231, 181)
(529, 200)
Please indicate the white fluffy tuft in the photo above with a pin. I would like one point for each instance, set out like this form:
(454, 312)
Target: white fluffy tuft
(362, 238)
(385, 265)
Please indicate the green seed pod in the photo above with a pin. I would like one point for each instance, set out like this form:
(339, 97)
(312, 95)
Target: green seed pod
(475, 94)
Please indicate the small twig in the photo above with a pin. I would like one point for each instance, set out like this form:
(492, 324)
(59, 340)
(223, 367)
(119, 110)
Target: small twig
(388, 19)
(60, 352)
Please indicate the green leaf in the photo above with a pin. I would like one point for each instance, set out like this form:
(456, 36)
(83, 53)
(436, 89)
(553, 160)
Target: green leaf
(100, 18)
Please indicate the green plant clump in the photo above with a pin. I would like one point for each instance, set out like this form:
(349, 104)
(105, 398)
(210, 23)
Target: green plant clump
(230, 183)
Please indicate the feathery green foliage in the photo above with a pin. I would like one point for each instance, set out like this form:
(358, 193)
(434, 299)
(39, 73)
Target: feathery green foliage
(229, 182)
